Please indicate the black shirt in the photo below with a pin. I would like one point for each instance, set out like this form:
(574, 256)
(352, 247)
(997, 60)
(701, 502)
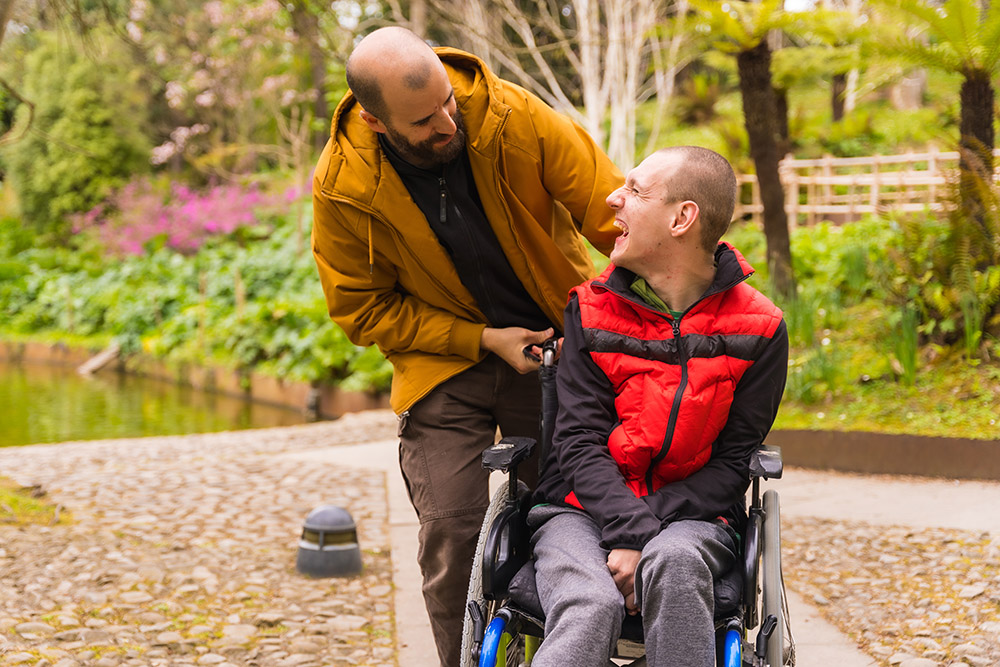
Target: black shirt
(448, 198)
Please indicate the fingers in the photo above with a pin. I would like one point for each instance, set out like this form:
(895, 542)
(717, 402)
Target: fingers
(539, 337)
(631, 608)
(627, 589)
(532, 351)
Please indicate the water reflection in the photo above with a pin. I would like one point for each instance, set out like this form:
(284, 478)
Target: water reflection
(40, 403)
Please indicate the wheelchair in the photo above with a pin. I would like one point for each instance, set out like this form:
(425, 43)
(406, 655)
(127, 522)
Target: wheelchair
(504, 622)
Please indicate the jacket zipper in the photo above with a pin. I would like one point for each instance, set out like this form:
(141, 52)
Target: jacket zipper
(674, 409)
(682, 385)
(443, 211)
(480, 278)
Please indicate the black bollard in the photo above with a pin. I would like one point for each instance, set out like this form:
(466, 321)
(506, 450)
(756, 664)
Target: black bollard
(329, 544)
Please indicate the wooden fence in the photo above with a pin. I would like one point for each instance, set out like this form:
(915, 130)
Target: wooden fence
(844, 189)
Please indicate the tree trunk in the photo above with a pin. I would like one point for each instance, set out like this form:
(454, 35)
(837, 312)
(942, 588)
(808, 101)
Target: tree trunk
(976, 156)
(977, 122)
(837, 95)
(6, 9)
(306, 26)
(418, 17)
(591, 47)
(851, 95)
(759, 112)
(781, 121)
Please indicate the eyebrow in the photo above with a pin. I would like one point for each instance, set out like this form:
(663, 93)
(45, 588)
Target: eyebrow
(425, 119)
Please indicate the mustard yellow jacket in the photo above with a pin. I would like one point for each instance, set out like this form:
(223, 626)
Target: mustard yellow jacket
(388, 281)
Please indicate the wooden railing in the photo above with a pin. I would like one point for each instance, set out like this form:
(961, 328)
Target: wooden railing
(844, 189)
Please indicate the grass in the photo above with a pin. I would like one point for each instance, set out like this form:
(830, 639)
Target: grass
(23, 506)
(948, 399)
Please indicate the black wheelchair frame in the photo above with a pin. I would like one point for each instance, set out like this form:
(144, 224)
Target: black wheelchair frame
(501, 615)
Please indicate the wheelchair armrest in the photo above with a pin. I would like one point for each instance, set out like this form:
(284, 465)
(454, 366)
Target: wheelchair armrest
(506, 548)
(766, 463)
(507, 453)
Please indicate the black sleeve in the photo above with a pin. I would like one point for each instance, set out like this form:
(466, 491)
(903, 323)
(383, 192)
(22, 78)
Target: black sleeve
(723, 481)
(580, 442)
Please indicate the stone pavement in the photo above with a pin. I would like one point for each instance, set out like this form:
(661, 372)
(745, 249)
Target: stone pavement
(909, 567)
(181, 552)
(815, 507)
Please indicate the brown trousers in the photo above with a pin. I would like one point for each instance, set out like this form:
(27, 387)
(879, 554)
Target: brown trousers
(442, 438)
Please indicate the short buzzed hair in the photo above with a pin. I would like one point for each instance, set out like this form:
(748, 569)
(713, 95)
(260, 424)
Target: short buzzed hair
(708, 180)
(366, 91)
(387, 48)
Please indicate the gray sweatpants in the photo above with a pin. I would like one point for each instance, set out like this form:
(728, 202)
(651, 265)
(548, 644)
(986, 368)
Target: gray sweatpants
(584, 610)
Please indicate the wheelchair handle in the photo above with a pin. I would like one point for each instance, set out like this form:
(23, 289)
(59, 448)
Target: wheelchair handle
(766, 630)
(549, 349)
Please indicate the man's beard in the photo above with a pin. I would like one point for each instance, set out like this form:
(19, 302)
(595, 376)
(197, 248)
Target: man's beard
(425, 154)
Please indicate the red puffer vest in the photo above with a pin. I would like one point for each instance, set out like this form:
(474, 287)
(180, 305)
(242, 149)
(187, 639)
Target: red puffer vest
(673, 381)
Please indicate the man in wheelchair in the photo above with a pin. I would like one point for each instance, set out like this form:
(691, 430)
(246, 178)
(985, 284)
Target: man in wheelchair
(670, 376)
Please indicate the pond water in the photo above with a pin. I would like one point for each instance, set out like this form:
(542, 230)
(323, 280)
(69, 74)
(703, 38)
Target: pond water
(41, 403)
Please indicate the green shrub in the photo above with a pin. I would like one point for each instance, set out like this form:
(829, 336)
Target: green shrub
(87, 136)
(932, 271)
(697, 96)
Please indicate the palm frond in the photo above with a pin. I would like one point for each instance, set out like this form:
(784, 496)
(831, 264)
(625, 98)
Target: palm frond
(740, 24)
(938, 56)
(956, 25)
(990, 30)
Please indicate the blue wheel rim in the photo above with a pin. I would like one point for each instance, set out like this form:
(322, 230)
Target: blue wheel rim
(491, 642)
(733, 657)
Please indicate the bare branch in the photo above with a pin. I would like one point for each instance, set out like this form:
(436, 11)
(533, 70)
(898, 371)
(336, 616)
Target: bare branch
(10, 136)
(519, 23)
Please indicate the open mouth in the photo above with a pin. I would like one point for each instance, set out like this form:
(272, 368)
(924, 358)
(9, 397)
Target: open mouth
(622, 226)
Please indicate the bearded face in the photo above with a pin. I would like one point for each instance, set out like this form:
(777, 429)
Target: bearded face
(433, 151)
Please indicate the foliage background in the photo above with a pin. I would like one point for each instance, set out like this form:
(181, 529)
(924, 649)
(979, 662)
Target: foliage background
(159, 198)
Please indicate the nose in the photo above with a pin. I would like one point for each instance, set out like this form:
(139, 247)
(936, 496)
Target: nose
(614, 199)
(445, 123)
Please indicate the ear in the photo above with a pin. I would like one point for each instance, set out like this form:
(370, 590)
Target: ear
(684, 219)
(374, 123)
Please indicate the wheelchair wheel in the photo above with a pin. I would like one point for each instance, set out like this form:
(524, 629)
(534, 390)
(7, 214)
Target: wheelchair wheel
(487, 608)
(780, 650)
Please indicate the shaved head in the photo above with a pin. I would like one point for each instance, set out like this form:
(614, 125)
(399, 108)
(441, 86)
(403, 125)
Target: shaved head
(708, 180)
(388, 57)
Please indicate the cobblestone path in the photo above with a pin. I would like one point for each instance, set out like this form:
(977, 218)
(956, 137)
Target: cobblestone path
(181, 551)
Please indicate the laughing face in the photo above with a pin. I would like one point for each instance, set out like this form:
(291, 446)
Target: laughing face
(642, 211)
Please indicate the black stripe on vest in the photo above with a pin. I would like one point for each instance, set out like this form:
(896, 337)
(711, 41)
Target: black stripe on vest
(739, 346)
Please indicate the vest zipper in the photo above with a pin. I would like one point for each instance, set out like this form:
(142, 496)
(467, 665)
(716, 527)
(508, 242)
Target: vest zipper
(675, 408)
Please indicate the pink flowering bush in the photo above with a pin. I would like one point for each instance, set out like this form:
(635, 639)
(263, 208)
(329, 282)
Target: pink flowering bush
(139, 217)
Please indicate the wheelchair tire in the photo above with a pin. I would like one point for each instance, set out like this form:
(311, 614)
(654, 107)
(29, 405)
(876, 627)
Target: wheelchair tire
(476, 580)
(772, 585)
